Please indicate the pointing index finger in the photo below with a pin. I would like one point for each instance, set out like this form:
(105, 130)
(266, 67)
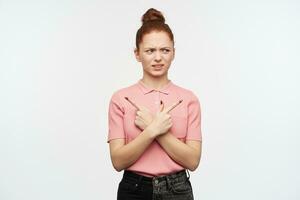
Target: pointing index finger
(132, 103)
(173, 106)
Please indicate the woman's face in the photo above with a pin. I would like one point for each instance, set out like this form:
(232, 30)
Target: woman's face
(156, 52)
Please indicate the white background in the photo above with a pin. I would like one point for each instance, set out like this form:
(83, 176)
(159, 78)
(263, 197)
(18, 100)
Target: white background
(60, 62)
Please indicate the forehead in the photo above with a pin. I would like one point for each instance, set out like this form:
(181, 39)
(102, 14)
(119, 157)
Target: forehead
(156, 39)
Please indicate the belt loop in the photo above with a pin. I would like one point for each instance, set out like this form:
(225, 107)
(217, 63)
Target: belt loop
(168, 182)
(188, 177)
(139, 181)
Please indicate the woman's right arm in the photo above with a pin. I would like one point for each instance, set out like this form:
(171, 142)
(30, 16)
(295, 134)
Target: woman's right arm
(124, 155)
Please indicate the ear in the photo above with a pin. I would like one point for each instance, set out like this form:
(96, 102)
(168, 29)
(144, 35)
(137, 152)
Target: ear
(137, 56)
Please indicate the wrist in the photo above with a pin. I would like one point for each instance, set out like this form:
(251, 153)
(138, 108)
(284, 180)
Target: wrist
(152, 131)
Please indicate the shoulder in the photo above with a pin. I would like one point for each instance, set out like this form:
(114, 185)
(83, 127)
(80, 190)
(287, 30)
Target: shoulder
(187, 94)
(117, 94)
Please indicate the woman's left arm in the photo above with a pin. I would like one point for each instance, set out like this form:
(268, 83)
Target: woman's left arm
(186, 154)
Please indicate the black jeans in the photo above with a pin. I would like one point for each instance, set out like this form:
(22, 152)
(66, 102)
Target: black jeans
(175, 186)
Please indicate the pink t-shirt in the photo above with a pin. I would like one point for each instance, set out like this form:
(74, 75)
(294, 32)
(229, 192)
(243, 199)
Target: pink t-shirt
(186, 120)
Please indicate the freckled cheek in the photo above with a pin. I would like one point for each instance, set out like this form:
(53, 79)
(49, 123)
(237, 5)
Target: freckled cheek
(167, 59)
(148, 61)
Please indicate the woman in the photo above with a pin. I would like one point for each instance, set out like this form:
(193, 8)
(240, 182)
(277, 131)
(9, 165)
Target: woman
(154, 125)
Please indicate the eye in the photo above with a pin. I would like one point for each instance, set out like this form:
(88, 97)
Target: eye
(165, 50)
(149, 51)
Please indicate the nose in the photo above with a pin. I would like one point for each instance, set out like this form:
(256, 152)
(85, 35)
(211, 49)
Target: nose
(157, 56)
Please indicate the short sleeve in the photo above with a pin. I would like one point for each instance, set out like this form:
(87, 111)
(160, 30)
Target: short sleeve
(194, 120)
(115, 118)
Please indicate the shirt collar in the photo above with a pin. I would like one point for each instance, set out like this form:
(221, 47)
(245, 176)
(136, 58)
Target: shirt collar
(146, 89)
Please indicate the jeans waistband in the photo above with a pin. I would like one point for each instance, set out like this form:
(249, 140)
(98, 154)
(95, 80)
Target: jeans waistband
(177, 175)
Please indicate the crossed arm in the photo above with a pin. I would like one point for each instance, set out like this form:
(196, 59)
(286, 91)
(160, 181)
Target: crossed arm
(187, 153)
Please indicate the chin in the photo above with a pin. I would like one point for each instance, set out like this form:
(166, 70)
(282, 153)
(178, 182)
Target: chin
(157, 74)
(154, 73)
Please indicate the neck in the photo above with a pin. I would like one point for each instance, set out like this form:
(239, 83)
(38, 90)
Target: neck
(155, 82)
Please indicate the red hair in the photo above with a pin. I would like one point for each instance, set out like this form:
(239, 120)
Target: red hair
(153, 20)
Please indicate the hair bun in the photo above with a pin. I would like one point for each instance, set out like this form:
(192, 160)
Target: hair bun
(153, 15)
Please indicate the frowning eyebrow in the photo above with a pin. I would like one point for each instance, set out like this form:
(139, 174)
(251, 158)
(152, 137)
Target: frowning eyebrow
(152, 48)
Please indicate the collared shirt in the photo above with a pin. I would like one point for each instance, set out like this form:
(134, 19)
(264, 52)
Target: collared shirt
(186, 122)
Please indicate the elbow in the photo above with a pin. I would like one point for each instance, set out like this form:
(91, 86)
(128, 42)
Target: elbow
(194, 165)
(117, 166)
(194, 159)
(117, 163)
(117, 158)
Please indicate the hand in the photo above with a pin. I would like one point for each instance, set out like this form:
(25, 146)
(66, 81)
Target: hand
(162, 121)
(143, 117)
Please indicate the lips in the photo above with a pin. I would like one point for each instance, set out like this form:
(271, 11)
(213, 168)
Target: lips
(158, 66)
